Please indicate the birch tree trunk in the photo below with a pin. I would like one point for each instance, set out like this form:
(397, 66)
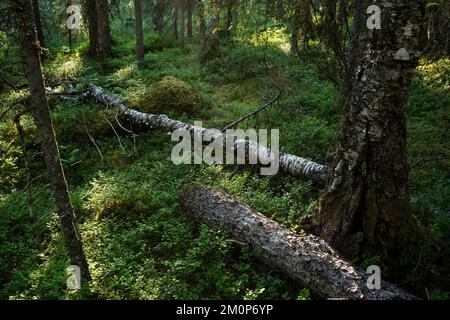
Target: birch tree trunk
(366, 204)
(46, 134)
(139, 31)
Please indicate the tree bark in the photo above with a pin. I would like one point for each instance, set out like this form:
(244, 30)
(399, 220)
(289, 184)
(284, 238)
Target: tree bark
(44, 126)
(38, 22)
(91, 13)
(305, 258)
(182, 9)
(189, 19)
(289, 164)
(158, 19)
(367, 202)
(139, 31)
(104, 38)
(295, 26)
(201, 17)
(175, 18)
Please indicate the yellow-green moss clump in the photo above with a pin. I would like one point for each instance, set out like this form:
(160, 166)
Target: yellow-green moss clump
(169, 96)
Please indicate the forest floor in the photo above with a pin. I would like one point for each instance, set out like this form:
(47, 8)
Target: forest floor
(138, 241)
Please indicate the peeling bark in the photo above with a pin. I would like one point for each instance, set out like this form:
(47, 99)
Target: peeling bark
(305, 258)
(367, 202)
(290, 164)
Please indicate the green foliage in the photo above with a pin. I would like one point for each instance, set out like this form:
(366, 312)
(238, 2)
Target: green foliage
(139, 242)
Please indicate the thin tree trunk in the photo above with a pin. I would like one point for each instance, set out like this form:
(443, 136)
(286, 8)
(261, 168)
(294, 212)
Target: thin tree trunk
(295, 26)
(139, 31)
(175, 18)
(44, 126)
(189, 19)
(91, 12)
(229, 21)
(158, 19)
(367, 201)
(215, 36)
(182, 9)
(104, 38)
(305, 258)
(201, 17)
(38, 22)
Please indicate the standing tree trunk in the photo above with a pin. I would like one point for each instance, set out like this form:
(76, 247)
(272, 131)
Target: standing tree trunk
(158, 18)
(175, 18)
(366, 204)
(307, 24)
(44, 126)
(215, 36)
(229, 23)
(104, 38)
(189, 19)
(38, 22)
(182, 9)
(201, 17)
(91, 12)
(295, 26)
(139, 31)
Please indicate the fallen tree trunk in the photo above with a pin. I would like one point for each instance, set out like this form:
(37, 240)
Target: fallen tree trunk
(289, 164)
(305, 258)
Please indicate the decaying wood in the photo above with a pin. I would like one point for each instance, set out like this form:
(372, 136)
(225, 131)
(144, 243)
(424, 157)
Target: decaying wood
(305, 258)
(290, 164)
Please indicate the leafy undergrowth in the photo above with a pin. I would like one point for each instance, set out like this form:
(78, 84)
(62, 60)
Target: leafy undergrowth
(139, 242)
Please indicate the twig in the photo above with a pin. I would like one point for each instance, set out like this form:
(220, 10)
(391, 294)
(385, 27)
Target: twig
(29, 186)
(115, 132)
(126, 130)
(264, 107)
(93, 140)
(15, 103)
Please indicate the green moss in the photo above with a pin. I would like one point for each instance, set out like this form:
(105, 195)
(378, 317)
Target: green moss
(169, 96)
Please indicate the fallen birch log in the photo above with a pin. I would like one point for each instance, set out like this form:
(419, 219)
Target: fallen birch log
(305, 258)
(289, 164)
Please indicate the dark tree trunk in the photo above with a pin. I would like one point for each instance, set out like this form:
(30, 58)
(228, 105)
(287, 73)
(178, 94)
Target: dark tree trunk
(215, 36)
(295, 26)
(229, 21)
(46, 134)
(158, 18)
(104, 37)
(38, 22)
(91, 12)
(307, 24)
(354, 48)
(366, 204)
(189, 19)
(182, 9)
(139, 31)
(305, 258)
(175, 18)
(201, 17)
